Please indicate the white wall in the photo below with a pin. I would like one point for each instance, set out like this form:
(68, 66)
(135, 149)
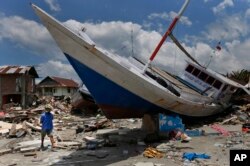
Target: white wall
(60, 91)
(63, 91)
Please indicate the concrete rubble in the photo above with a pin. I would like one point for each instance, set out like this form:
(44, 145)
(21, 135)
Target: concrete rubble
(96, 140)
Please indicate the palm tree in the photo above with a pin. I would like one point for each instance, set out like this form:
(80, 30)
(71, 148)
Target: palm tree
(241, 76)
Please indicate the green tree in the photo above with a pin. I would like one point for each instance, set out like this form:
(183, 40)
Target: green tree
(241, 76)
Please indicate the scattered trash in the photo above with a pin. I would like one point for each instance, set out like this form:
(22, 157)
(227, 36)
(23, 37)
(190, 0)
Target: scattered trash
(151, 152)
(170, 122)
(191, 156)
(246, 128)
(220, 129)
(179, 135)
(195, 133)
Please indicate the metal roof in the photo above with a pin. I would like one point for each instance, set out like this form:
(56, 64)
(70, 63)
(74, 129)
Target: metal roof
(18, 70)
(65, 82)
(60, 82)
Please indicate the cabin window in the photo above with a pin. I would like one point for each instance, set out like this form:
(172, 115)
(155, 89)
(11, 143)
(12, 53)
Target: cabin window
(189, 68)
(69, 90)
(203, 76)
(217, 84)
(224, 88)
(210, 80)
(196, 72)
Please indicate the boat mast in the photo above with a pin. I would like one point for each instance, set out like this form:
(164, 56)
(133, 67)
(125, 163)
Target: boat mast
(167, 33)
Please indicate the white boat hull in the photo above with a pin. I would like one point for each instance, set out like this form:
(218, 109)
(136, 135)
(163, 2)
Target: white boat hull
(122, 91)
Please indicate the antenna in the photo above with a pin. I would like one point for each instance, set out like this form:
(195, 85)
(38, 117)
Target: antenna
(132, 41)
(167, 33)
(217, 48)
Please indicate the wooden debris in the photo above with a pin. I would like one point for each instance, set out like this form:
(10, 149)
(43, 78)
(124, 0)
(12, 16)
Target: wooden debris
(13, 130)
(4, 131)
(66, 144)
(228, 120)
(5, 151)
(152, 153)
(30, 154)
(5, 125)
(29, 149)
(36, 128)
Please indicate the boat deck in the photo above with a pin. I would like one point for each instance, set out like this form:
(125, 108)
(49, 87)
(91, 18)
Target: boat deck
(174, 81)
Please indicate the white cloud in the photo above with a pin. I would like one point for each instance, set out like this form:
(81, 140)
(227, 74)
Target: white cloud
(115, 36)
(223, 5)
(28, 35)
(227, 28)
(53, 4)
(169, 17)
(34, 37)
(240, 50)
(57, 68)
(247, 13)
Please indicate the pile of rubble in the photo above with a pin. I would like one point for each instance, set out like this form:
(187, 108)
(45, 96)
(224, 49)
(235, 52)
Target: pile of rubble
(239, 115)
(23, 124)
(21, 129)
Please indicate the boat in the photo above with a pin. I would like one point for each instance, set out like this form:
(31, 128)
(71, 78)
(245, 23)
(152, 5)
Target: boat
(125, 88)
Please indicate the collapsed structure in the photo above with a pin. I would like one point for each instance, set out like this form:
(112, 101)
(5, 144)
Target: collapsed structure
(17, 84)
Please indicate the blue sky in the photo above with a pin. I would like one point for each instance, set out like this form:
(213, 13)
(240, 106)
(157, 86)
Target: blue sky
(111, 23)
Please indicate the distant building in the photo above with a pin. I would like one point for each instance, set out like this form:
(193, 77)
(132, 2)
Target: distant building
(57, 87)
(17, 84)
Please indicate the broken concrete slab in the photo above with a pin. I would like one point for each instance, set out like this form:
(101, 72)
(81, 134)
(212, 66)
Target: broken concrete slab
(5, 151)
(34, 143)
(66, 135)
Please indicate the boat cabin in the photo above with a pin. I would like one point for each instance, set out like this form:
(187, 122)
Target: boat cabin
(208, 82)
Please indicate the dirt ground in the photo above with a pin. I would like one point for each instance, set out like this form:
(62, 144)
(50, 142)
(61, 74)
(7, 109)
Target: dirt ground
(129, 147)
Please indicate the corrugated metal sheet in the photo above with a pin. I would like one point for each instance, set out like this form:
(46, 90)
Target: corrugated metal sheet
(58, 82)
(14, 69)
(65, 82)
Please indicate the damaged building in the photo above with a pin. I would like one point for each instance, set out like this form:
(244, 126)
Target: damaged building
(57, 87)
(17, 85)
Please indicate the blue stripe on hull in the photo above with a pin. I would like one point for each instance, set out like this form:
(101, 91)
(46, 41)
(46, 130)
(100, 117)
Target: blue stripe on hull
(106, 92)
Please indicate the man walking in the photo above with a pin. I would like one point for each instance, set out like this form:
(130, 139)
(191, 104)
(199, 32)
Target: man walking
(47, 125)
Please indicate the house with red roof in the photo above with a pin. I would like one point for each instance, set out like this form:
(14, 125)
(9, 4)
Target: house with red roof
(17, 85)
(57, 87)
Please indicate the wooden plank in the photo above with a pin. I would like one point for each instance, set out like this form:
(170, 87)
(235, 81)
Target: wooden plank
(37, 128)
